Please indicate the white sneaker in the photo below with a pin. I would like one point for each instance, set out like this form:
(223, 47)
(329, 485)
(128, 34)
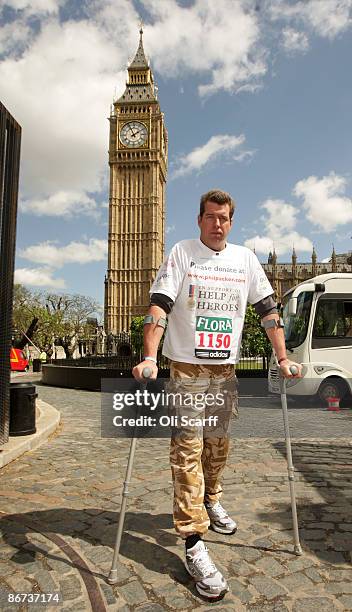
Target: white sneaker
(208, 580)
(220, 520)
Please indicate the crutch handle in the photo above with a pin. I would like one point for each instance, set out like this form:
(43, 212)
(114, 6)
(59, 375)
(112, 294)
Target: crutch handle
(293, 370)
(147, 372)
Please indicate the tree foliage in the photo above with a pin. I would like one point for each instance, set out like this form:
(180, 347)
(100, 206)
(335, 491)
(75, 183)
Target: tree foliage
(62, 318)
(254, 339)
(136, 329)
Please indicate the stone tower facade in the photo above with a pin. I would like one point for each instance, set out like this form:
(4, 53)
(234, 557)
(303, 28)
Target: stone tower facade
(138, 169)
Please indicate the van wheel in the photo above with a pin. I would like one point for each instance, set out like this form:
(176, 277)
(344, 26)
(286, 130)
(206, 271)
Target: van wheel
(332, 387)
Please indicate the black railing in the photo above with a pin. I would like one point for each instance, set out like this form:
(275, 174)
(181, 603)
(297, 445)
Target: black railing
(10, 145)
(248, 364)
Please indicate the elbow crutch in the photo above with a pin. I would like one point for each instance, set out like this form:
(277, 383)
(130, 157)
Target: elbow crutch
(290, 468)
(112, 579)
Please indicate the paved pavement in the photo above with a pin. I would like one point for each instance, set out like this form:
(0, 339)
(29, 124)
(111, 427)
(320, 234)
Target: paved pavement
(59, 506)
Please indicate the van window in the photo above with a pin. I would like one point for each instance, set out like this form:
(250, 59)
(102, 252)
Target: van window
(333, 319)
(296, 327)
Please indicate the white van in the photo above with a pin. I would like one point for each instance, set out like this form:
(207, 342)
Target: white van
(317, 315)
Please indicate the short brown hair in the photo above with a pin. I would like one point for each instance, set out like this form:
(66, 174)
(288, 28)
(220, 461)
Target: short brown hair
(219, 197)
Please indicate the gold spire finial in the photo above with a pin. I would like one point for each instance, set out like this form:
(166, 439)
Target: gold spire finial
(141, 27)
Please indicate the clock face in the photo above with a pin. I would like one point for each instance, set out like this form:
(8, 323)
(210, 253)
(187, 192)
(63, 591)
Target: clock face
(133, 134)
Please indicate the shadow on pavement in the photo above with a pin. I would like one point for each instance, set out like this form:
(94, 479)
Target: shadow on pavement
(98, 530)
(325, 527)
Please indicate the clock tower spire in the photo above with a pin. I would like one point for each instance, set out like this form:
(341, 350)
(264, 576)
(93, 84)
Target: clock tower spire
(138, 168)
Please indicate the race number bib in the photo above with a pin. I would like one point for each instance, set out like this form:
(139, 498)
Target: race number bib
(213, 337)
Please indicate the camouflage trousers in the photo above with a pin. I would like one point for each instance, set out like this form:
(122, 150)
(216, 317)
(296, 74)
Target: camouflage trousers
(198, 454)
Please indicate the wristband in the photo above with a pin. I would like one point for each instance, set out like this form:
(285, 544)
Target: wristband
(149, 359)
(282, 359)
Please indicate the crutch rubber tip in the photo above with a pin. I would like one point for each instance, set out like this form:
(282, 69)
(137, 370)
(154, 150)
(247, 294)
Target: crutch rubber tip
(298, 551)
(112, 579)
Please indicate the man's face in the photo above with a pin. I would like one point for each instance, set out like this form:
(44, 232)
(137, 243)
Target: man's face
(215, 225)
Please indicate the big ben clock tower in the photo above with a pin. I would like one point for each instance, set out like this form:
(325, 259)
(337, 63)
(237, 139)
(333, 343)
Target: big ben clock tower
(138, 167)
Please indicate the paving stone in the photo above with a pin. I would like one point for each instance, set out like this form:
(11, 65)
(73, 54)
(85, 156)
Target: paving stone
(244, 593)
(314, 604)
(100, 554)
(249, 554)
(267, 586)
(263, 543)
(70, 588)
(61, 567)
(45, 582)
(313, 575)
(346, 601)
(179, 602)
(6, 569)
(270, 566)
(78, 605)
(339, 588)
(150, 607)
(299, 564)
(275, 607)
(338, 575)
(320, 525)
(133, 593)
(242, 568)
(297, 581)
(109, 594)
(18, 584)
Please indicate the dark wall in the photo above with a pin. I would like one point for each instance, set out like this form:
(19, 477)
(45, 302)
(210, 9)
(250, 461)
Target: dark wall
(10, 144)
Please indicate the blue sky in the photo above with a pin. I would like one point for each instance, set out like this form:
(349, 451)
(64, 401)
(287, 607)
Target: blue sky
(257, 102)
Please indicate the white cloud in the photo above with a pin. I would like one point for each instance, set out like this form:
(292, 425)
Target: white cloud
(293, 41)
(50, 254)
(220, 38)
(38, 277)
(279, 223)
(14, 37)
(60, 91)
(324, 201)
(169, 229)
(61, 204)
(327, 18)
(218, 145)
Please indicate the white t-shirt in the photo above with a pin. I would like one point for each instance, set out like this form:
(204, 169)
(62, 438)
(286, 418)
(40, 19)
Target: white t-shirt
(210, 290)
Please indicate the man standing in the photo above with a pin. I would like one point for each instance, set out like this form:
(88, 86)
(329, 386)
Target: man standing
(203, 287)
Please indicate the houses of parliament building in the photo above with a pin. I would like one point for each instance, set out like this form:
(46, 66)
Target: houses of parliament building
(283, 276)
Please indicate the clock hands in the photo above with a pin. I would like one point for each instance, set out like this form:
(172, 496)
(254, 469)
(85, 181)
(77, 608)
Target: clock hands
(133, 134)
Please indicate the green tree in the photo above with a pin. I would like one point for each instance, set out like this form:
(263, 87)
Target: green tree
(61, 317)
(136, 329)
(71, 313)
(254, 339)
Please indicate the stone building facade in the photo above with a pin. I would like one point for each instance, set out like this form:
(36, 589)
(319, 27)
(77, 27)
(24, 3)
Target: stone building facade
(138, 148)
(283, 276)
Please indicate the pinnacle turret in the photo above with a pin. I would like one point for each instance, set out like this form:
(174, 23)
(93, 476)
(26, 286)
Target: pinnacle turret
(140, 60)
(314, 256)
(140, 86)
